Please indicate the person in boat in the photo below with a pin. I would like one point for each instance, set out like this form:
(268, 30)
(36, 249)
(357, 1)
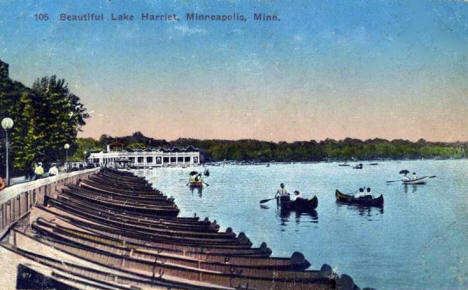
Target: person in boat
(368, 192)
(297, 195)
(414, 177)
(361, 193)
(192, 178)
(282, 195)
(406, 177)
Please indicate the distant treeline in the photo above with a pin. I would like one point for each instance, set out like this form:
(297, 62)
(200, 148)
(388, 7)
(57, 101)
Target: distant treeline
(255, 150)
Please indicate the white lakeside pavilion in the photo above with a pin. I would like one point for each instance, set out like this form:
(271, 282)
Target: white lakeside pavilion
(146, 158)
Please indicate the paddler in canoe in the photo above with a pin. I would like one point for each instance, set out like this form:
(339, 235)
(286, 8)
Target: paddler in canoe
(196, 180)
(282, 195)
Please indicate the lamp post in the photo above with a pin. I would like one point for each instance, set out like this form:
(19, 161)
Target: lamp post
(66, 147)
(7, 123)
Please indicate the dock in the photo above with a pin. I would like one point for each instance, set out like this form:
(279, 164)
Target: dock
(109, 229)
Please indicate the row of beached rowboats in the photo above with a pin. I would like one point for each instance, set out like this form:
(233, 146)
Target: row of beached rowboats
(118, 221)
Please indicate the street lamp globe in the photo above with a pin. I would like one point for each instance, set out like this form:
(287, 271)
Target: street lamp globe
(7, 123)
(66, 146)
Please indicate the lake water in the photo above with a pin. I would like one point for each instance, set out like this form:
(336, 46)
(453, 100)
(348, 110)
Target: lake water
(418, 241)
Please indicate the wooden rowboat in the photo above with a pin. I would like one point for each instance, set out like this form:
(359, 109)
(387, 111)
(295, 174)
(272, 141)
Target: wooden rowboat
(127, 260)
(296, 262)
(421, 180)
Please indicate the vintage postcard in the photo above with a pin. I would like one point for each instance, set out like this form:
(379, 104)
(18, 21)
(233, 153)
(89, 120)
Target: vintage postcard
(233, 144)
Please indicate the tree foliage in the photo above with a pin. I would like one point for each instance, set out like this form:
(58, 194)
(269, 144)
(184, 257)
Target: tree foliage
(327, 150)
(46, 116)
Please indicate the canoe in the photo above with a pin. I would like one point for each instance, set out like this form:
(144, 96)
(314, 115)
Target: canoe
(301, 204)
(295, 262)
(162, 268)
(155, 198)
(160, 232)
(129, 219)
(112, 189)
(147, 209)
(147, 234)
(163, 203)
(365, 201)
(213, 252)
(120, 184)
(112, 276)
(257, 271)
(421, 180)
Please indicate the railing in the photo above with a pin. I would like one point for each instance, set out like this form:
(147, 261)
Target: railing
(17, 200)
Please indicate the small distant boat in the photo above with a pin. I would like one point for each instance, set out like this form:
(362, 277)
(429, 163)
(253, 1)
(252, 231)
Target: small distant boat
(359, 166)
(421, 180)
(365, 200)
(207, 172)
(374, 163)
(300, 204)
(344, 164)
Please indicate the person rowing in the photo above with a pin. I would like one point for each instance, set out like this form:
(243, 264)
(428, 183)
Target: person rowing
(406, 177)
(282, 195)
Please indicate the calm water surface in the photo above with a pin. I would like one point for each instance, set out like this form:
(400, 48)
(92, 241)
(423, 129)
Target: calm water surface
(418, 241)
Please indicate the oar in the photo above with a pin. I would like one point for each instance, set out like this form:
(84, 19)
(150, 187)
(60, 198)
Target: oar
(390, 181)
(266, 200)
(433, 176)
(206, 183)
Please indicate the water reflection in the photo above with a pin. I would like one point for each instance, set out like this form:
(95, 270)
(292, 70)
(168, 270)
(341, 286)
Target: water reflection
(362, 210)
(284, 214)
(196, 189)
(414, 188)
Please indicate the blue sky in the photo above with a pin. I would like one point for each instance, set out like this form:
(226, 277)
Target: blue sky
(365, 69)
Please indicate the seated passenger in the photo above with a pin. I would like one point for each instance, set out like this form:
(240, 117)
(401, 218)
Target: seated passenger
(297, 195)
(361, 193)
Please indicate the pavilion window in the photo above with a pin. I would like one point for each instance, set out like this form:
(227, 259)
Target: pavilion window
(173, 159)
(166, 159)
(140, 159)
(149, 159)
(158, 160)
(187, 159)
(180, 159)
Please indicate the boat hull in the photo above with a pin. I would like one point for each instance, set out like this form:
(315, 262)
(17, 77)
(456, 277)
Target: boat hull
(363, 201)
(300, 204)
